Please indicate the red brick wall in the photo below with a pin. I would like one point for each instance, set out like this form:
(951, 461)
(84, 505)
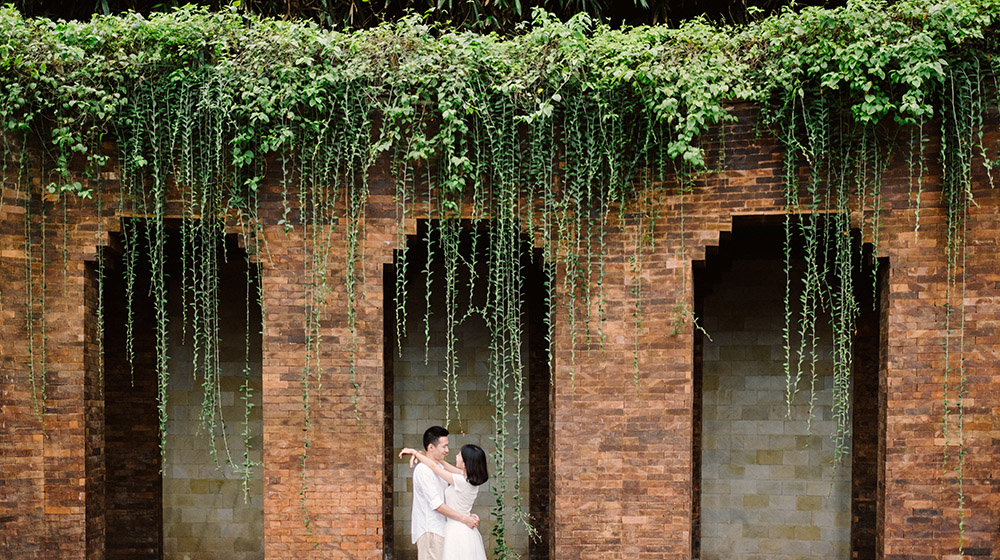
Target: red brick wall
(96, 458)
(345, 465)
(43, 472)
(621, 451)
(22, 471)
(622, 458)
(920, 509)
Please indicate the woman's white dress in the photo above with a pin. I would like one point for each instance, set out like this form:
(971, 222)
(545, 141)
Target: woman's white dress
(461, 542)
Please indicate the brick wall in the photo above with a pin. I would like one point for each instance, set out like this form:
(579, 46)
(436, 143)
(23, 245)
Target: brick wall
(49, 460)
(921, 496)
(539, 405)
(22, 474)
(867, 434)
(344, 473)
(621, 448)
(96, 478)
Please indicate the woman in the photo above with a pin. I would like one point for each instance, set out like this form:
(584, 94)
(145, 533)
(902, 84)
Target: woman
(464, 479)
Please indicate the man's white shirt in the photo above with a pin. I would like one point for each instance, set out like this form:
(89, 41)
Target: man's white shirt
(428, 495)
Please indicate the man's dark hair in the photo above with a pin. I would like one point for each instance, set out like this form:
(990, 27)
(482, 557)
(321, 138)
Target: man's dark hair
(433, 434)
(475, 464)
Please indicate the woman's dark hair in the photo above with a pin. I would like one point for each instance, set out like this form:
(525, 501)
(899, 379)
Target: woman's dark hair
(433, 434)
(475, 464)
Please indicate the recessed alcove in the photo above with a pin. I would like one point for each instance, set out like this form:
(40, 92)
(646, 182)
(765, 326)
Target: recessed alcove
(766, 484)
(415, 387)
(188, 502)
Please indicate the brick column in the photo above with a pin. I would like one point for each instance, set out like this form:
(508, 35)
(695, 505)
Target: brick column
(43, 505)
(345, 465)
(622, 447)
(96, 458)
(22, 469)
(921, 486)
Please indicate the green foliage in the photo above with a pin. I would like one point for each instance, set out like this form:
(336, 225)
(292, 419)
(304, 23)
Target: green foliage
(478, 15)
(551, 134)
(890, 59)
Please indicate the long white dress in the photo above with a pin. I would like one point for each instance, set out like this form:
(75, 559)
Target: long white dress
(461, 542)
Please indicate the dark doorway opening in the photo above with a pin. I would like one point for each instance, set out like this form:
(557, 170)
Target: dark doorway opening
(133, 487)
(415, 395)
(189, 501)
(765, 482)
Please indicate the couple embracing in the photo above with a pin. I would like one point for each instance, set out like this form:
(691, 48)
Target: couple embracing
(443, 525)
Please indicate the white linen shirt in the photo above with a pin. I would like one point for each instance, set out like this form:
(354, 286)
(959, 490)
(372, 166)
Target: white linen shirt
(428, 495)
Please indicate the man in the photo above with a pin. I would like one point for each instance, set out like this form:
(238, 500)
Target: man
(429, 510)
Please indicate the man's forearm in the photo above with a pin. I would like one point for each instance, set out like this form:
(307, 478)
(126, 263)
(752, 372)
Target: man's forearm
(450, 513)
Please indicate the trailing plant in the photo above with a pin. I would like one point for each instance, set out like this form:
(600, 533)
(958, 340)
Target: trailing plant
(37, 378)
(101, 273)
(868, 65)
(961, 125)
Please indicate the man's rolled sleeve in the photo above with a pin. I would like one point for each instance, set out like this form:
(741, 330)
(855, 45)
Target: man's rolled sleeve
(424, 484)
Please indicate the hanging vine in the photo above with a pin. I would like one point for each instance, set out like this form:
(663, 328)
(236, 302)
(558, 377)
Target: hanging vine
(960, 119)
(37, 377)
